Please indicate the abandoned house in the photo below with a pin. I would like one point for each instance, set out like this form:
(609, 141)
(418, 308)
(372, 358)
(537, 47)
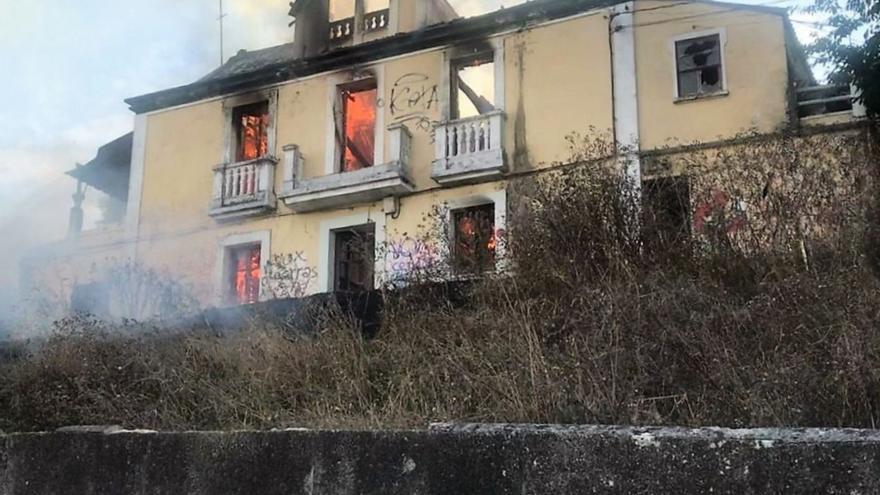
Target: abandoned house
(325, 154)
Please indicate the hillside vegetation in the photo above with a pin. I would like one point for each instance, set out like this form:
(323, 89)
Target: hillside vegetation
(762, 317)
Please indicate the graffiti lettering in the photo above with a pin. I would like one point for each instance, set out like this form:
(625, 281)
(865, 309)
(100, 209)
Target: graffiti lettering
(407, 256)
(288, 276)
(413, 98)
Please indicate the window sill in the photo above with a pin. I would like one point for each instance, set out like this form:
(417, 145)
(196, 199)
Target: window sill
(707, 96)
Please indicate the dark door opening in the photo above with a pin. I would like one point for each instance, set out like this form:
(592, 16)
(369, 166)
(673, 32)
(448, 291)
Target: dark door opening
(354, 258)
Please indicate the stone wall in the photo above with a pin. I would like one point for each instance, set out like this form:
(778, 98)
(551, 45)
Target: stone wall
(478, 459)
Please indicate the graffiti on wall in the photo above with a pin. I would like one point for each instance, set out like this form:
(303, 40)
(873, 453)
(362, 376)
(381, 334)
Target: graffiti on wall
(413, 99)
(719, 213)
(287, 276)
(409, 256)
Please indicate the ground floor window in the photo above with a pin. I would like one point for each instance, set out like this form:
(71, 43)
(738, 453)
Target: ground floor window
(244, 271)
(666, 211)
(474, 239)
(354, 258)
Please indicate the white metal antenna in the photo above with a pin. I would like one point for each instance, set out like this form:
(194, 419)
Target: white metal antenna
(220, 19)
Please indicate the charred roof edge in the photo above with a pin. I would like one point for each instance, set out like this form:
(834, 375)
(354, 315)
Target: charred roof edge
(457, 30)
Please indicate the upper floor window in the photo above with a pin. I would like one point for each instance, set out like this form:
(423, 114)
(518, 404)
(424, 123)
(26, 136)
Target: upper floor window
(356, 125)
(699, 66)
(243, 274)
(341, 9)
(251, 123)
(473, 85)
(473, 238)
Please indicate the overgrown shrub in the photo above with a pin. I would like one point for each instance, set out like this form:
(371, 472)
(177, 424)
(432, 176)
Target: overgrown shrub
(595, 323)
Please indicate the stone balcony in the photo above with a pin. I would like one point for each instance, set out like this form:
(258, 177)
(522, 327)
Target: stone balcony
(244, 189)
(346, 189)
(469, 150)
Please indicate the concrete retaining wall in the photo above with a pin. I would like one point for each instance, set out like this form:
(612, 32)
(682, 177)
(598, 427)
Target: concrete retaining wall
(456, 460)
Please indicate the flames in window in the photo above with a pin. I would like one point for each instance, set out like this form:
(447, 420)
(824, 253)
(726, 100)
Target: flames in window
(245, 276)
(475, 240)
(252, 125)
(359, 126)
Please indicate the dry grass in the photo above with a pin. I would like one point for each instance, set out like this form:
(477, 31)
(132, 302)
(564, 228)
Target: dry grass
(592, 328)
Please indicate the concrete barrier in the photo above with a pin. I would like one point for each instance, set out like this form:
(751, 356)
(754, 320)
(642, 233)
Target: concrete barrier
(447, 459)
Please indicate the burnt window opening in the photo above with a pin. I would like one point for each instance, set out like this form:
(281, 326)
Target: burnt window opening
(251, 124)
(243, 274)
(667, 211)
(474, 239)
(356, 125)
(472, 85)
(698, 66)
(354, 258)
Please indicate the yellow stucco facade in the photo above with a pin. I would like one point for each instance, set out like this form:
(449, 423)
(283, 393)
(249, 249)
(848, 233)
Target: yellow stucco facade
(554, 77)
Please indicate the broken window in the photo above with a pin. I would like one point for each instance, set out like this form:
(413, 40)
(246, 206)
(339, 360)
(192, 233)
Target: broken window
(474, 240)
(252, 131)
(244, 274)
(356, 126)
(698, 64)
(354, 259)
(473, 85)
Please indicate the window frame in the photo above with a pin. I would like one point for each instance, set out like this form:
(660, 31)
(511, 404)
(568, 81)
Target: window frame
(368, 229)
(457, 264)
(341, 114)
(496, 198)
(721, 33)
(225, 248)
(237, 114)
(456, 64)
(231, 106)
(453, 55)
(327, 246)
(332, 158)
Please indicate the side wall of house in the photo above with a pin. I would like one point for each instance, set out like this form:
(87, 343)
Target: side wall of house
(754, 65)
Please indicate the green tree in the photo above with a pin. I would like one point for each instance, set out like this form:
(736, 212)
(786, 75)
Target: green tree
(851, 46)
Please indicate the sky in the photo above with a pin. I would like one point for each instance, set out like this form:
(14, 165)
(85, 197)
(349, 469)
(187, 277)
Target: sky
(67, 66)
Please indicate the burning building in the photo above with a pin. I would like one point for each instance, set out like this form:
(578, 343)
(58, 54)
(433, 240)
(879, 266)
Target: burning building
(330, 150)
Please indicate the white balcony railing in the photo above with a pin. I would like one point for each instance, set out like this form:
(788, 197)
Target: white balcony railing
(242, 189)
(470, 150)
(827, 100)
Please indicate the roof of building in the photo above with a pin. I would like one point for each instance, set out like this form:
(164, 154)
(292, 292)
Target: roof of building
(109, 170)
(251, 69)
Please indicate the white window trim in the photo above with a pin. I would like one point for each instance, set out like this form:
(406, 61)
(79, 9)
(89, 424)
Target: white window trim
(496, 198)
(262, 237)
(230, 140)
(331, 155)
(327, 246)
(446, 77)
(722, 42)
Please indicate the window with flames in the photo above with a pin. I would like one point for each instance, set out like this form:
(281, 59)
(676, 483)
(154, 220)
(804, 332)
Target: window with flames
(244, 274)
(356, 125)
(252, 131)
(474, 239)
